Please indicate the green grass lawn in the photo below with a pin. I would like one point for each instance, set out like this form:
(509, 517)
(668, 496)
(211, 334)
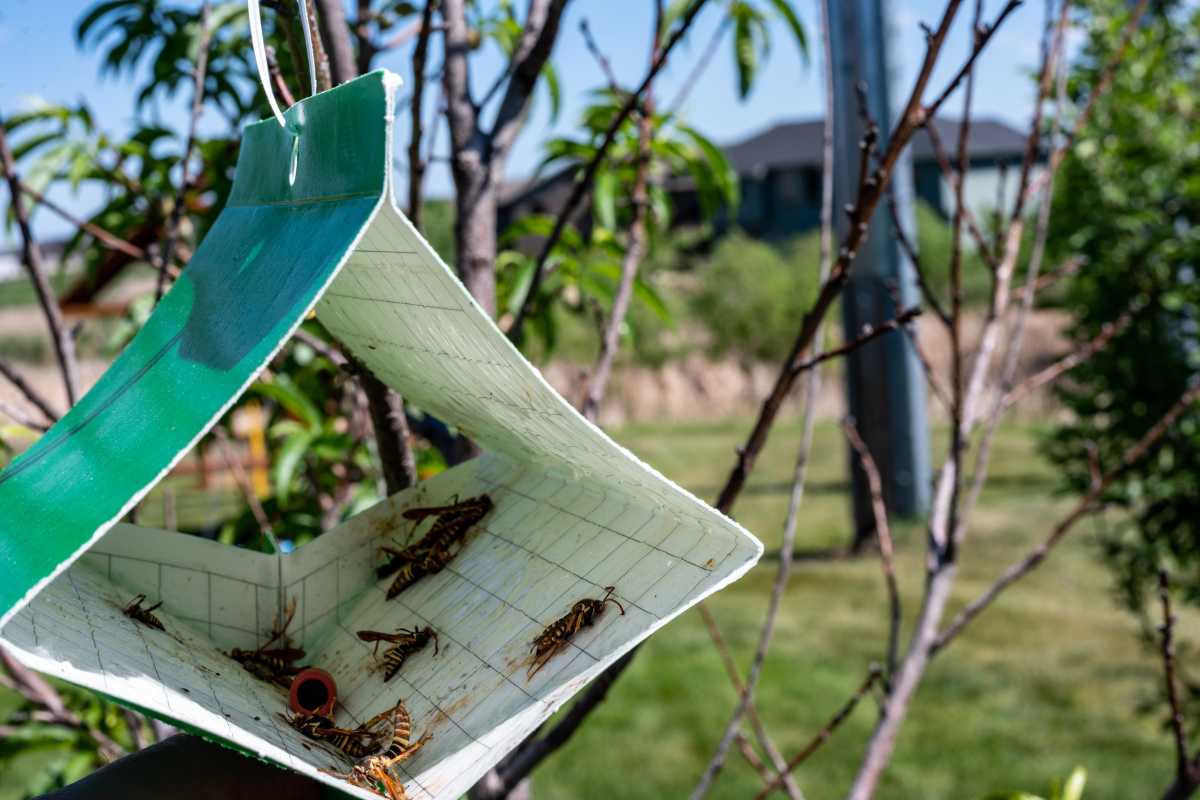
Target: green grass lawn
(1048, 679)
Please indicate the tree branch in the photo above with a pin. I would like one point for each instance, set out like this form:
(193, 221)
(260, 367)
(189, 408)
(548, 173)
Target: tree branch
(1086, 505)
(635, 249)
(884, 535)
(109, 240)
(531, 54)
(38, 691)
(1183, 769)
(30, 394)
(391, 433)
(731, 671)
(1108, 331)
(823, 735)
(199, 71)
(601, 59)
(335, 33)
(584, 177)
(869, 333)
(31, 258)
(19, 416)
(914, 258)
(416, 163)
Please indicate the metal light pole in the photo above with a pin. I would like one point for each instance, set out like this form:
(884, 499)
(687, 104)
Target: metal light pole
(885, 383)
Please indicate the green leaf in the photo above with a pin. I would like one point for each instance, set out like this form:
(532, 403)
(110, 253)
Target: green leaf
(287, 461)
(650, 298)
(1073, 788)
(724, 176)
(784, 9)
(521, 279)
(604, 198)
(553, 90)
(287, 394)
(745, 53)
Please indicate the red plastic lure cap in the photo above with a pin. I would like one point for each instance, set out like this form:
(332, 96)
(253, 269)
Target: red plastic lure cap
(313, 692)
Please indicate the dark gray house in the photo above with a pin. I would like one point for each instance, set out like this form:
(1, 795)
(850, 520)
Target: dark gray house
(780, 174)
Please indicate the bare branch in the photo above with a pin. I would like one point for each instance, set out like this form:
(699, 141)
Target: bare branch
(870, 190)
(827, 732)
(1183, 768)
(329, 8)
(1048, 279)
(176, 217)
(391, 433)
(29, 393)
(19, 416)
(1081, 120)
(109, 240)
(914, 258)
(38, 691)
(869, 333)
(281, 87)
(601, 59)
(1048, 374)
(636, 245)
(242, 480)
(1086, 505)
(955, 179)
(583, 178)
(416, 162)
(731, 671)
(982, 36)
(329, 26)
(778, 589)
(31, 258)
(706, 57)
(884, 535)
(531, 54)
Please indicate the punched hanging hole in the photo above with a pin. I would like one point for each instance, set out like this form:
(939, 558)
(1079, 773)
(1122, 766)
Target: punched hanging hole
(313, 691)
(295, 160)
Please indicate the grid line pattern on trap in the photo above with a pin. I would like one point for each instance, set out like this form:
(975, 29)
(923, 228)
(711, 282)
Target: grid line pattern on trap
(508, 583)
(573, 513)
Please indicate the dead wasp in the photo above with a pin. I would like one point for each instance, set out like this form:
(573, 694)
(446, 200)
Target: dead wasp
(402, 746)
(406, 640)
(374, 771)
(478, 506)
(355, 742)
(553, 640)
(402, 636)
(430, 563)
(374, 777)
(143, 615)
(453, 523)
(274, 664)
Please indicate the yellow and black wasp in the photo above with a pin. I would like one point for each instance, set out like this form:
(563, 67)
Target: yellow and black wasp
(406, 641)
(274, 664)
(374, 772)
(553, 640)
(357, 742)
(143, 615)
(450, 528)
(430, 562)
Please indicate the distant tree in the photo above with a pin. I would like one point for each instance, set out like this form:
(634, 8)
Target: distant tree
(1128, 203)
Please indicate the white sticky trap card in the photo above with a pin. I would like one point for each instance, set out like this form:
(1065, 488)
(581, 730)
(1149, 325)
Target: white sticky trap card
(571, 512)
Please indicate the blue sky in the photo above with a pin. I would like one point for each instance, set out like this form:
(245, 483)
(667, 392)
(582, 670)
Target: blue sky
(39, 58)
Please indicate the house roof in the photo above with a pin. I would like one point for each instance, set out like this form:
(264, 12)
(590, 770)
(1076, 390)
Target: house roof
(798, 144)
(786, 144)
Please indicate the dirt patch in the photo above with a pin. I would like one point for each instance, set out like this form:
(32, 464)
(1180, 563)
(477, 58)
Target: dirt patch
(691, 389)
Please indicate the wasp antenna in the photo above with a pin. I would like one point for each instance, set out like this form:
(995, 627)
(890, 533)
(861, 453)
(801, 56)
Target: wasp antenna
(618, 602)
(156, 605)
